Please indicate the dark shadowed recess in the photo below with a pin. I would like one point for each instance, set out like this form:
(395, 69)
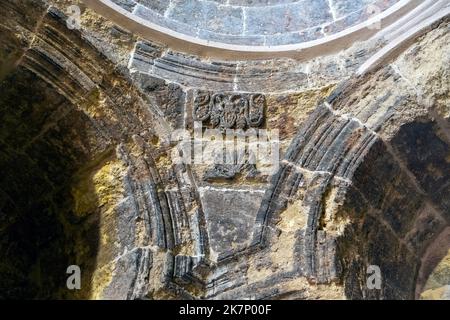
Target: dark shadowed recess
(400, 207)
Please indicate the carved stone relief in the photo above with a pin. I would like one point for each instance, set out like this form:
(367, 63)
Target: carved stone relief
(229, 111)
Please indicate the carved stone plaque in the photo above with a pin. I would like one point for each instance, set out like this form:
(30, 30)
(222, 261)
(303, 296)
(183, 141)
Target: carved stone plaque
(229, 111)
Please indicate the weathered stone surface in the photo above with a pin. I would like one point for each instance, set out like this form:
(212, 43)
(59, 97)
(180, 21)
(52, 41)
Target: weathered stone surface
(295, 17)
(89, 175)
(229, 215)
(229, 111)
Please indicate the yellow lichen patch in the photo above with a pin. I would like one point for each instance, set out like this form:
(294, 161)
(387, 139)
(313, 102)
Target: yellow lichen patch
(293, 218)
(434, 171)
(447, 159)
(98, 106)
(108, 183)
(309, 291)
(136, 148)
(85, 199)
(282, 253)
(298, 287)
(185, 249)
(329, 208)
(156, 286)
(121, 41)
(97, 189)
(155, 141)
(331, 221)
(101, 279)
(328, 292)
(83, 190)
(256, 274)
(443, 108)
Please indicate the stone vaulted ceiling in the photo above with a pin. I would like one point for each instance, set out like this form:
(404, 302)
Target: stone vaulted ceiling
(358, 92)
(256, 23)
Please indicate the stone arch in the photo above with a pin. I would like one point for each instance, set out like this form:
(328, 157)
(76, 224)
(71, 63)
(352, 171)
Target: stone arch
(67, 135)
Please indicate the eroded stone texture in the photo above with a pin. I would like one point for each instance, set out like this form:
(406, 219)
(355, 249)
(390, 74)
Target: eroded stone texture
(89, 176)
